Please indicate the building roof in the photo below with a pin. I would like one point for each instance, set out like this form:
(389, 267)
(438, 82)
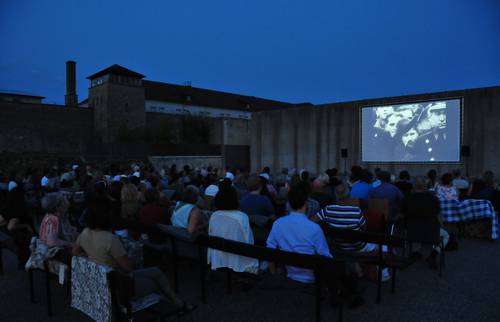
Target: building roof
(116, 70)
(20, 94)
(189, 95)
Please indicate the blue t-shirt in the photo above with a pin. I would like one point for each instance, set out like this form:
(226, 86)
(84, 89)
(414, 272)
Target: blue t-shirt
(253, 204)
(361, 190)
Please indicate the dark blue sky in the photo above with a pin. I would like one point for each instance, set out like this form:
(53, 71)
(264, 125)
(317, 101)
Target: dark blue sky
(295, 51)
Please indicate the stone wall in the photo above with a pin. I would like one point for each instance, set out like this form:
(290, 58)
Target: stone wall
(311, 137)
(44, 128)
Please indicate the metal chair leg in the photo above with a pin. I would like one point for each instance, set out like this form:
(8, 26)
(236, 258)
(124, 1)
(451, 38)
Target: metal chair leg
(229, 281)
(32, 286)
(49, 296)
(1, 261)
(317, 302)
(379, 284)
(393, 271)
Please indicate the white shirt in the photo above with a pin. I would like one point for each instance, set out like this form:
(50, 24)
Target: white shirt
(233, 225)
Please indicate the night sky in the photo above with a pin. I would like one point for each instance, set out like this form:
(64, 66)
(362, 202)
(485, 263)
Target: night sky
(294, 51)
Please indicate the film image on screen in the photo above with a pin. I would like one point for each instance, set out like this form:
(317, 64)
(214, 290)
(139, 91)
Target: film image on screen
(412, 132)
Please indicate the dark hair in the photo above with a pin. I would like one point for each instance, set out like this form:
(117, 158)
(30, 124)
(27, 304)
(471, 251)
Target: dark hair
(190, 195)
(99, 216)
(226, 199)
(489, 178)
(446, 178)
(356, 172)
(298, 195)
(152, 195)
(477, 186)
(384, 176)
(431, 174)
(404, 175)
(304, 176)
(366, 176)
(266, 170)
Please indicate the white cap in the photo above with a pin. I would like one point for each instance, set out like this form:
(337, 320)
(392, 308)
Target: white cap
(75, 166)
(11, 185)
(136, 174)
(264, 175)
(230, 176)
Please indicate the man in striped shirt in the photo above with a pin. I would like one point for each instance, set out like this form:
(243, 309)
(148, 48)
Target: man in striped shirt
(349, 217)
(346, 217)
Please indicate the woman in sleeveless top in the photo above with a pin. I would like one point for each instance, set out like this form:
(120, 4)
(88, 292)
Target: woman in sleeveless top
(186, 214)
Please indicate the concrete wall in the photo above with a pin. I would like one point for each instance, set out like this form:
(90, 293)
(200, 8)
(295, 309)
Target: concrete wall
(311, 137)
(44, 128)
(236, 132)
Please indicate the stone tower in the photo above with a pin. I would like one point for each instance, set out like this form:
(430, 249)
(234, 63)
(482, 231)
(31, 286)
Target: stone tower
(117, 96)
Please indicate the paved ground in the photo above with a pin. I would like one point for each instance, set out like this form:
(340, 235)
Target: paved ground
(468, 291)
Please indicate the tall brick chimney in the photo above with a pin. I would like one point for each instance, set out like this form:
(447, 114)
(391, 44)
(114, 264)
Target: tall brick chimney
(71, 98)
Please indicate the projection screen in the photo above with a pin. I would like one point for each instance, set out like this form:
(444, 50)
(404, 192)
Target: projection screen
(412, 132)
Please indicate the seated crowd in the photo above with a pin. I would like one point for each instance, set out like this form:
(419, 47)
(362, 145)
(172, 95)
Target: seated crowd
(91, 211)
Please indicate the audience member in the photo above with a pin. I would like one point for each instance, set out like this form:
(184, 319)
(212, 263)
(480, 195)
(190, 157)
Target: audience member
(445, 190)
(388, 191)
(296, 233)
(404, 184)
(321, 192)
(362, 187)
(100, 245)
(186, 214)
(422, 202)
(230, 223)
(254, 203)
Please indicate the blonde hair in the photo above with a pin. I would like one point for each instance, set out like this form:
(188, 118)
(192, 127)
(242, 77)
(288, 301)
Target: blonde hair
(129, 193)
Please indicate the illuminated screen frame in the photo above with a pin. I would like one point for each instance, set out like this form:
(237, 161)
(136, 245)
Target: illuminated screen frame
(461, 130)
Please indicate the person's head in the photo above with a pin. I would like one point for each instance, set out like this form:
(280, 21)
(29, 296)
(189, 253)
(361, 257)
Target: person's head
(152, 196)
(304, 176)
(420, 184)
(436, 114)
(342, 191)
(55, 204)
(456, 173)
(392, 125)
(404, 175)
(321, 181)
(129, 193)
(383, 112)
(226, 199)
(266, 170)
(99, 218)
(297, 196)
(407, 113)
(410, 138)
(446, 179)
(254, 183)
(478, 185)
(356, 171)
(366, 176)
(190, 195)
(432, 174)
(115, 189)
(384, 176)
(489, 178)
